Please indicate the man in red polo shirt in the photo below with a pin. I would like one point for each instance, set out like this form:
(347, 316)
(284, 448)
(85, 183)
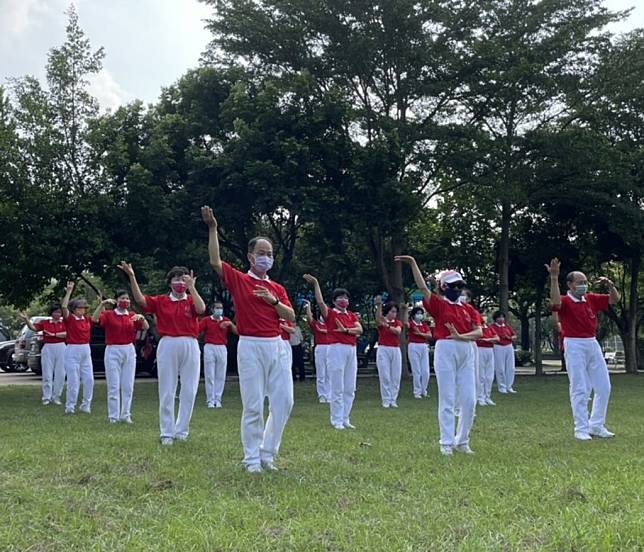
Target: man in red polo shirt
(262, 357)
(585, 362)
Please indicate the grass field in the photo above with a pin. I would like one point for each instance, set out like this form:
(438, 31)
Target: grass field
(80, 483)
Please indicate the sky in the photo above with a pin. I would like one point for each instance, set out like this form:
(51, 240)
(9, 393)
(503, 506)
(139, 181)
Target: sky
(149, 44)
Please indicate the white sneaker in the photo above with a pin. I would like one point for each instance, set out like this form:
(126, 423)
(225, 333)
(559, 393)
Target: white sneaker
(85, 410)
(321, 400)
(210, 405)
(182, 438)
(113, 420)
(503, 391)
(601, 432)
(70, 411)
(393, 405)
(490, 402)
(385, 405)
(218, 404)
(465, 449)
(268, 465)
(482, 403)
(127, 420)
(425, 394)
(167, 441)
(418, 397)
(56, 401)
(349, 425)
(45, 402)
(338, 427)
(446, 450)
(583, 436)
(511, 391)
(254, 468)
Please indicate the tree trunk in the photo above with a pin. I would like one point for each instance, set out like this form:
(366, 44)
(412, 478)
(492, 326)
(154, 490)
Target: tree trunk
(538, 364)
(524, 318)
(629, 336)
(504, 258)
(397, 294)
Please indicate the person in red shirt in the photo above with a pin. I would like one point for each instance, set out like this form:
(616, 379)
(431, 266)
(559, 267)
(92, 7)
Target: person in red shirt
(52, 353)
(418, 351)
(321, 339)
(177, 324)
(585, 363)
(215, 352)
(263, 359)
(486, 364)
(388, 357)
(456, 326)
(120, 325)
(78, 357)
(504, 364)
(343, 327)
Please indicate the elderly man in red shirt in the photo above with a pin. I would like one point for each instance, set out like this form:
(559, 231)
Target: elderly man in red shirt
(585, 362)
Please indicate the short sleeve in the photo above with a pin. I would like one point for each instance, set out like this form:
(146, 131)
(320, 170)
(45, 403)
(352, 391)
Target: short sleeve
(39, 326)
(102, 319)
(230, 277)
(151, 303)
(432, 305)
(283, 296)
(599, 301)
(202, 325)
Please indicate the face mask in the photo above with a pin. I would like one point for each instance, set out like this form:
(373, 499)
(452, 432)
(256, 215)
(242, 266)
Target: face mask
(56, 316)
(453, 294)
(342, 303)
(218, 313)
(580, 291)
(263, 263)
(418, 317)
(179, 288)
(123, 304)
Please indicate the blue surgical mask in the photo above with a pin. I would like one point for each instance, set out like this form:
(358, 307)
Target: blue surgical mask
(581, 290)
(418, 317)
(263, 263)
(453, 294)
(218, 313)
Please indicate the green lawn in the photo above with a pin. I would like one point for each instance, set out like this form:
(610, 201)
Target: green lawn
(80, 483)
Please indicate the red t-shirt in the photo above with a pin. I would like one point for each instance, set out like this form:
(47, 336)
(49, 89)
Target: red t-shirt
(53, 327)
(386, 337)
(505, 332)
(462, 315)
(120, 329)
(214, 333)
(348, 319)
(320, 333)
(283, 333)
(414, 327)
(174, 318)
(255, 317)
(78, 330)
(488, 332)
(579, 318)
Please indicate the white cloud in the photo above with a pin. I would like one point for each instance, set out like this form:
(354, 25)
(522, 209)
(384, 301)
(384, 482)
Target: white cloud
(107, 91)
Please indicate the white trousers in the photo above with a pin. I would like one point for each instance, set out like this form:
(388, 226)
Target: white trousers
(79, 369)
(389, 363)
(322, 380)
(52, 362)
(418, 354)
(120, 367)
(454, 367)
(264, 368)
(587, 371)
(486, 372)
(215, 363)
(342, 367)
(504, 367)
(177, 359)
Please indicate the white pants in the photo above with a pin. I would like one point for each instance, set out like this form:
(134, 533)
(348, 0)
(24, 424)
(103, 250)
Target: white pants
(454, 367)
(418, 354)
(587, 371)
(342, 367)
(177, 359)
(52, 362)
(322, 380)
(79, 369)
(264, 369)
(504, 367)
(389, 363)
(120, 367)
(215, 363)
(486, 372)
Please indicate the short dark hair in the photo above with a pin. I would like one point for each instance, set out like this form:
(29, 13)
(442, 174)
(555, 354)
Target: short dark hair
(498, 314)
(416, 310)
(339, 292)
(253, 242)
(121, 292)
(387, 307)
(176, 271)
(54, 307)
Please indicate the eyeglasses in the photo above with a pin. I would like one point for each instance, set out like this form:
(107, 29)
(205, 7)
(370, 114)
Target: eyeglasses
(456, 285)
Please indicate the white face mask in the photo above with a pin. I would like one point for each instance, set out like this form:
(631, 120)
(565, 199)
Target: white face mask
(418, 317)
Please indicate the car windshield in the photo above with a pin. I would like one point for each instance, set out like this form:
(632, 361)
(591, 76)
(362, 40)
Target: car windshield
(25, 333)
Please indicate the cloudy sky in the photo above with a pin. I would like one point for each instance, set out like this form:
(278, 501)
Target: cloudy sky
(149, 43)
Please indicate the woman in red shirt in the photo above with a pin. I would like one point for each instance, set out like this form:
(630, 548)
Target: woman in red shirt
(418, 351)
(120, 325)
(456, 326)
(52, 354)
(388, 357)
(78, 357)
(504, 354)
(486, 364)
(321, 339)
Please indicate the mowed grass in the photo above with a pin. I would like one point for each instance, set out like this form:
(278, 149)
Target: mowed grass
(79, 483)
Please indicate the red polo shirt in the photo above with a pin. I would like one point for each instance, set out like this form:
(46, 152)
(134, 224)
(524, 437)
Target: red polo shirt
(255, 317)
(175, 318)
(78, 330)
(462, 315)
(348, 319)
(415, 327)
(120, 329)
(505, 332)
(53, 327)
(320, 333)
(488, 332)
(214, 334)
(386, 337)
(283, 333)
(578, 318)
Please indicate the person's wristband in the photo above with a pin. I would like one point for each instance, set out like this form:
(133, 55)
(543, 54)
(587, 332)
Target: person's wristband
(277, 302)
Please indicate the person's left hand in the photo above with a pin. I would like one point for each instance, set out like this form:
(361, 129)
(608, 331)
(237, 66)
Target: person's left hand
(452, 331)
(190, 280)
(263, 293)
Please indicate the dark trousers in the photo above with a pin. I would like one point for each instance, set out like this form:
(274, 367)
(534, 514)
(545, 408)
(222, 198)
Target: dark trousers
(298, 361)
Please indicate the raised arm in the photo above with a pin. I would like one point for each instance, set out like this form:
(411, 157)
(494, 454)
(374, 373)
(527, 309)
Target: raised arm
(191, 282)
(553, 270)
(418, 275)
(307, 312)
(379, 317)
(613, 294)
(101, 306)
(138, 296)
(65, 303)
(213, 239)
(313, 281)
(27, 321)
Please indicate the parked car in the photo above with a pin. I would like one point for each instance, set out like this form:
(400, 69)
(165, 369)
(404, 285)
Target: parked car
(7, 363)
(23, 343)
(145, 352)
